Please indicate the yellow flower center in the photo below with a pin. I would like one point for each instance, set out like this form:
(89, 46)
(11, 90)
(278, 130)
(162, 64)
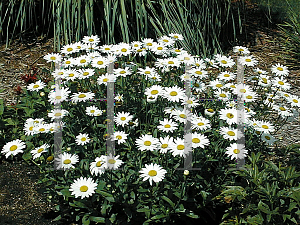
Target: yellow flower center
(119, 137)
(57, 114)
(30, 128)
(241, 50)
(219, 85)
(86, 73)
(92, 111)
(100, 62)
(287, 95)
(222, 95)
(230, 115)
(189, 101)
(295, 100)
(159, 48)
(180, 147)
(71, 75)
(232, 86)
(226, 75)
(123, 118)
(152, 173)
(248, 60)
(175, 36)
(68, 62)
(177, 50)
(99, 163)
(69, 49)
(282, 108)
(170, 62)
(42, 129)
(52, 57)
(223, 61)
(173, 93)
(210, 110)
(265, 126)
(13, 148)
(83, 139)
(230, 133)
(112, 161)
(149, 44)
(265, 80)
(50, 158)
(81, 96)
(107, 49)
(147, 143)
(67, 161)
(236, 151)
(200, 124)
(249, 97)
(242, 90)
(197, 85)
(105, 79)
(58, 97)
(267, 137)
(198, 72)
(123, 50)
(84, 188)
(36, 86)
(82, 61)
(196, 140)
(280, 68)
(182, 116)
(164, 145)
(154, 92)
(167, 126)
(186, 58)
(280, 82)
(40, 150)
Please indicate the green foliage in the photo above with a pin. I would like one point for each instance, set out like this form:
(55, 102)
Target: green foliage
(207, 25)
(267, 194)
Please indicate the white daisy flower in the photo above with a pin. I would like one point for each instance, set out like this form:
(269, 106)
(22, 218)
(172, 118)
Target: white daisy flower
(283, 111)
(58, 96)
(211, 62)
(97, 167)
(99, 62)
(122, 72)
(226, 76)
(171, 62)
(93, 39)
(240, 49)
(281, 83)
(93, 111)
(199, 63)
(165, 40)
(294, 100)
(68, 62)
(224, 61)
(68, 160)
(69, 49)
(57, 114)
(169, 110)
(119, 97)
(167, 125)
(178, 147)
(178, 51)
(148, 70)
(41, 128)
(198, 73)
(199, 140)
(147, 142)
(209, 112)
(266, 127)
(173, 94)
(164, 144)
(13, 148)
(82, 61)
(230, 133)
(70, 74)
(53, 57)
(83, 187)
(124, 49)
(37, 152)
(104, 78)
(82, 97)
(248, 61)
(235, 151)
(250, 96)
(82, 139)
(268, 138)
(192, 102)
(229, 115)
(176, 36)
(153, 172)
(120, 136)
(147, 42)
(112, 162)
(198, 86)
(141, 52)
(181, 116)
(280, 70)
(264, 81)
(78, 45)
(222, 95)
(123, 118)
(86, 73)
(216, 84)
(106, 49)
(200, 123)
(29, 127)
(260, 71)
(186, 58)
(231, 104)
(58, 73)
(135, 45)
(159, 49)
(154, 77)
(36, 86)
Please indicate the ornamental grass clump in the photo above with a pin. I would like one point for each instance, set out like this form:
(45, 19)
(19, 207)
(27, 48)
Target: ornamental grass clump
(145, 179)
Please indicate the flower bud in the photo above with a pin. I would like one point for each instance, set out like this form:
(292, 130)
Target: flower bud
(42, 94)
(186, 172)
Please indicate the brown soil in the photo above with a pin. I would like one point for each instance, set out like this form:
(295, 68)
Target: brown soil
(20, 202)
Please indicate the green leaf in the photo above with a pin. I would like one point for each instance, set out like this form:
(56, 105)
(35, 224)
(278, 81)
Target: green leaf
(78, 204)
(27, 156)
(103, 193)
(110, 199)
(66, 192)
(97, 219)
(263, 207)
(86, 219)
(57, 218)
(168, 200)
(1, 107)
(101, 185)
(143, 210)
